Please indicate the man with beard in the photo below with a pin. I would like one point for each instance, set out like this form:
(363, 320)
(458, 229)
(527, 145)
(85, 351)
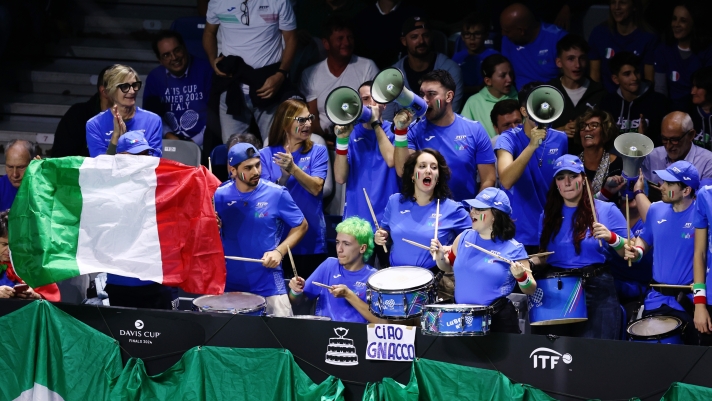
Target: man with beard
(422, 60)
(464, 143)
(251, 215)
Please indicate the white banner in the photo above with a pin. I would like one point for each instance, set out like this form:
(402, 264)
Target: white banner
(391, 342)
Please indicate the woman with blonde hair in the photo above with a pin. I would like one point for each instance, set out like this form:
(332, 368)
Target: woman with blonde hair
(292, 160)
(103, 130)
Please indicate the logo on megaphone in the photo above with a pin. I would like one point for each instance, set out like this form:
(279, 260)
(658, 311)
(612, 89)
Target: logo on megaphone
(344, 106)
(545, 104)
(389, 86)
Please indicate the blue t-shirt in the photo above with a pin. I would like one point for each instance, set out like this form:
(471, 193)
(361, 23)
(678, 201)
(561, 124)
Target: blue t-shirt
(471, 65)
(605, 44)
(464, 144)
(678, 72)
(417, 223)
(314, 163)
(101, 126)
(4, 280)
(562, 244)
(479, 278)
(672, 237)
(367, 169)
(703, 211)
(7, 193)
(528, 194)
(181, 102)
(252, 224)
(331, 272)
(640, 272)
(535, 61)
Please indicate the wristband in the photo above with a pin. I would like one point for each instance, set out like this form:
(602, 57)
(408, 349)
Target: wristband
(523, 278)
(700, 293)
(342, 146)
(283, 72)
(279, 252)
(606, 193)
(615, 242)
(640, 252)
(401, 138)
(291, 291)
(451, 258)
(638, 191)
(526, 283)
(376, 124)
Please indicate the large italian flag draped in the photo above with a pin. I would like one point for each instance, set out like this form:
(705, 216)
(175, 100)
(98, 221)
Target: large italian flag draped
(135, 216)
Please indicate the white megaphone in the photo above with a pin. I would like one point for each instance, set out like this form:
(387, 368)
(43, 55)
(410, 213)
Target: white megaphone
(389, 86)
(633, 147)
(544, 105)
(344, 106)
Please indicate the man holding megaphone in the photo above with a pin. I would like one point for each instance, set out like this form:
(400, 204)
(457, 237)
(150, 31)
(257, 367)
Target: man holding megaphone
(464, 143)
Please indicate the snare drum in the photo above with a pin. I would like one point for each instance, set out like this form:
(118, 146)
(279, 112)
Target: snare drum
(237, 303)
(456, 320)
(400, 292)
(309, 317)
(559, 299)
(656, 329)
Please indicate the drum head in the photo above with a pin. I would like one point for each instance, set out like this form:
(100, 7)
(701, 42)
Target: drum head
(400, 278)
(238, 301)
(654, 326)
(309, 317)
(455, 307)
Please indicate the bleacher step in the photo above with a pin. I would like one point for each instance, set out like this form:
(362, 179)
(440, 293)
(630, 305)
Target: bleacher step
(38, 104)
(105, 49)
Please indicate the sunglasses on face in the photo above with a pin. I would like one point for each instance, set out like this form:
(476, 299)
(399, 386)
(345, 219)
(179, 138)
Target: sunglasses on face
(125, 86)
(303, 120)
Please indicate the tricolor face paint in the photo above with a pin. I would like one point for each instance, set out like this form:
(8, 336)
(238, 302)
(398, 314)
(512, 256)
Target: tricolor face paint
(482, 217)
(242, 176)
(577, 185)
(438, 102)
(671, 194)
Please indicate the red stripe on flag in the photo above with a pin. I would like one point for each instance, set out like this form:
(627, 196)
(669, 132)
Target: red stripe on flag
(191, 250)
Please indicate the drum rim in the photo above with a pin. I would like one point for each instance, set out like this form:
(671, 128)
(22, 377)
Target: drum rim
(446, 307)
(454, 334)
(260, 306)
(399, 291)
(660, 336)
(320, 318)
(566, 274)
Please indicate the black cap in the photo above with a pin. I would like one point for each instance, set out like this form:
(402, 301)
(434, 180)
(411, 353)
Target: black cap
(413, 23)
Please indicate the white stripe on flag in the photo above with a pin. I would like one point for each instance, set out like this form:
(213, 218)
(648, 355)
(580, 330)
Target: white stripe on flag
(118, 232)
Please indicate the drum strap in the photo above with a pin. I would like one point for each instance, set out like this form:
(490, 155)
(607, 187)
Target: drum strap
(585, 272)
(498, 304)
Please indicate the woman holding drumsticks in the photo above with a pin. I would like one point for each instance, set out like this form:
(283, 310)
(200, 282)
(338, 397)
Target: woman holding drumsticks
(578, 232)
(413, 214)
(480, 278)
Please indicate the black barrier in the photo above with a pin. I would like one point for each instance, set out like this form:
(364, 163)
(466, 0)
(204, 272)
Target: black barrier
(566, 368)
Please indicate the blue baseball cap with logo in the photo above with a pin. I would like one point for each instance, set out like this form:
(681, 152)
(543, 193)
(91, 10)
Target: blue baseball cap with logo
(133, 142)
(568, 163)
(491, 198)
(681, 171)
(241, 152)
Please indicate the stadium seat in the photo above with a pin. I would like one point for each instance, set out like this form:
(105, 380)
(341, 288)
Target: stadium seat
(219, 155)
(595, 15)
(186, 152)
(439, 41)
(191, 29)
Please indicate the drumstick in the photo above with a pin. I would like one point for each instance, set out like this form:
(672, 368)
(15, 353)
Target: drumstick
(593, 207)
(416, 244)
(321, 285)
(291, 259)
(210, 165)
(671, 286)
(437, 218)
(375, 220)
(627, 222)
(243, 259)
(479, 248)
(536, 255)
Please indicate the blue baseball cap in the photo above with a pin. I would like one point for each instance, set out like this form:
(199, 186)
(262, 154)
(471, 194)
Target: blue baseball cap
(568, 163)
(491, 198)
(241, 152)
(681, 171)
(133, 142)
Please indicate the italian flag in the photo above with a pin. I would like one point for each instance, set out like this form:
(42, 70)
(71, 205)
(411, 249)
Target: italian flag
(134, 216)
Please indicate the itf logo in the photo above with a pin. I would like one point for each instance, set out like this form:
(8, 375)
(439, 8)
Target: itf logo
(542, 355)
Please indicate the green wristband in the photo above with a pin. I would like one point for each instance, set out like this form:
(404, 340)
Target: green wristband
(294, 293)
(401, 144)
(342, 141)
(699, 286)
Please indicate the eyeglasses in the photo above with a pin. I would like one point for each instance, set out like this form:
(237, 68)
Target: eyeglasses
(468, 35)
(245, 17)
(673, 141)
(590, 126)
(177, 52)
(125, 86)
(303, 120)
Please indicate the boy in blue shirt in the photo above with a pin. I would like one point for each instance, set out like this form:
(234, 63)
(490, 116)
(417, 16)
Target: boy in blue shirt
(252, 215)
(474, 33)
(345, 275)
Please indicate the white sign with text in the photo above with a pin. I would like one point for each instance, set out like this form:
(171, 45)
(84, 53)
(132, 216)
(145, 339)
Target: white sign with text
(391, 342)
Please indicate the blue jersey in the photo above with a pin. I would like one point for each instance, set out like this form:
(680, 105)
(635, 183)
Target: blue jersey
(464, 144)
(672, 237)
(331, 272)
(182, 102)
(417, 223)
(703, 212)
(367, 169)
(314, 163)
(479, 278)
(528, 194)
(562, 244)
(7, 193)
(640, 272)
(605, 44)
(471, 65)
(678, 72)
(101, 126)
(252, 224)
(535, 61)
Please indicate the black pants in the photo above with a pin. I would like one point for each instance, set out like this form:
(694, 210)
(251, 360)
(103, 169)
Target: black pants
(152, 296)
(306, 264)
(506, 320)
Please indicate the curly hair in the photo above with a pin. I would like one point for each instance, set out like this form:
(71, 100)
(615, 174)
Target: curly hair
(283, 118)
(503, 228)
(442, 190)
(553, 218)
(361, 230)
(609, 129)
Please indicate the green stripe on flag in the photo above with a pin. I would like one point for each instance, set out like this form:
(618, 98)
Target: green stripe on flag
(44, 221)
